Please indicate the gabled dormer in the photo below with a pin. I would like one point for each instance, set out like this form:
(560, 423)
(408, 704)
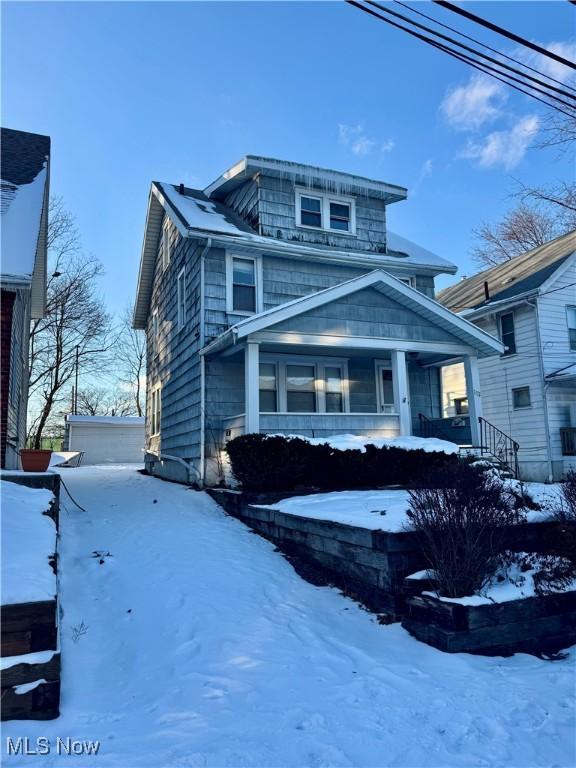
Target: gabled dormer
(307, 204)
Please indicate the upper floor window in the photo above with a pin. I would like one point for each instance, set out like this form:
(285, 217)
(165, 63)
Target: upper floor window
(411, 281)
(243, 283)
(507, 333)
(571, 319)
(181, 289)
(324, 211)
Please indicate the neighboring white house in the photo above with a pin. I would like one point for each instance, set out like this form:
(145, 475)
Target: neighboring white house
(529, 392)
(106, 439)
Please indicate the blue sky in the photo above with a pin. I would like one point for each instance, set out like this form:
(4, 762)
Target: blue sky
(136, 91)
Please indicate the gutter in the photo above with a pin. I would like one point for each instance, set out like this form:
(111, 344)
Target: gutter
(168, 457)
(497, 306)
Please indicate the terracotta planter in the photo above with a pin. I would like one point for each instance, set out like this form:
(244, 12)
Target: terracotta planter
(35, 459)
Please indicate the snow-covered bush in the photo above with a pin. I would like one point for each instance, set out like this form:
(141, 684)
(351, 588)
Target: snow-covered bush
(461, 517)
(277, 463)
(565, 508)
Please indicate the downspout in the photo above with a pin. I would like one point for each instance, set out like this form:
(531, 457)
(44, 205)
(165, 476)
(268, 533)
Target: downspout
(202, 342)
(168, 457)
(544, 390)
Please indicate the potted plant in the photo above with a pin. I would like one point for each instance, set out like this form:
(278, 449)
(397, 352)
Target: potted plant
(35, 459)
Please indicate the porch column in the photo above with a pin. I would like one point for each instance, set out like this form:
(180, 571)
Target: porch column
(251, 387)
(401, 394)
(474, 397)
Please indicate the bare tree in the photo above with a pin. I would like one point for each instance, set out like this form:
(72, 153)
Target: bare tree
(100, 401)
(130, 354)
(558, 131)
(76, 328)
(541, 215)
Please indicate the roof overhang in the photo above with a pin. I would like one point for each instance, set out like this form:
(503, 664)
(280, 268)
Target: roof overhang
(304, 175)
(464, 331)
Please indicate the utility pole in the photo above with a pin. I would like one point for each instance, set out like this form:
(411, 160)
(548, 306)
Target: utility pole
(76, 380)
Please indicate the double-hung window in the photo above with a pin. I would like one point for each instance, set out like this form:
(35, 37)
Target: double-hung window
(324, 211)
(155, 410)
(571, 320)
(333, 389)
(154, 334)
(243, 281)
(301, 389)
(507, 333)
(181, 300)
(268, 388)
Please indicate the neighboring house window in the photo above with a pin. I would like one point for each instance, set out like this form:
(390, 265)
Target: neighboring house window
(521, 398)
(507, 334)
(154, 333)
(243, 281)
(324, 211)
(571, 318)
(268, 388)
(156, 408)
(460, 406)
(181, 289)
(300, 389)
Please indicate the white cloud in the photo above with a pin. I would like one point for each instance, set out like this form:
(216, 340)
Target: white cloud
(425, 171)
(564, 48)
(360, 143)
(467, 107)
(503, 148)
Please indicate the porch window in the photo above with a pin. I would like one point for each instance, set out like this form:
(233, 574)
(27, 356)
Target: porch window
(333, 389)
(268, 388)
(311, 211)
(300, 389)
(507, 333)
(243, 285)
(340, 216)
(571, 318)
(156, 406)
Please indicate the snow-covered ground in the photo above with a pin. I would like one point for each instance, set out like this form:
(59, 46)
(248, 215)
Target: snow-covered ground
(376, 510)
(28, 540)
(194, 643)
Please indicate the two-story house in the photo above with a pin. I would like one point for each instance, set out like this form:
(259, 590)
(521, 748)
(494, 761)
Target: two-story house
(24, 192)
(529, 391)
(276, 301)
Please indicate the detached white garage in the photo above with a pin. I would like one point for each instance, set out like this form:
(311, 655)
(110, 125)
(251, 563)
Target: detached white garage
(106, 439)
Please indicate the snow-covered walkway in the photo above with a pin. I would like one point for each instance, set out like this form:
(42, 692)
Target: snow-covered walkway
(195, 644)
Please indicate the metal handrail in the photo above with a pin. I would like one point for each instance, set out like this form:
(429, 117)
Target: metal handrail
(499, 445)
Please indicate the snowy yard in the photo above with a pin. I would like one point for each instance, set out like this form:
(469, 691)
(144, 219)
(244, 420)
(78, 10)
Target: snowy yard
(187, 641)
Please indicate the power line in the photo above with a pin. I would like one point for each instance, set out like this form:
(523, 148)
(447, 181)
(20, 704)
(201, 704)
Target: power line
(466, 59)
(504, 32)
(478, 53)
(488, 48)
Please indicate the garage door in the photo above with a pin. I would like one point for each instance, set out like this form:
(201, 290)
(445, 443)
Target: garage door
(108, 444)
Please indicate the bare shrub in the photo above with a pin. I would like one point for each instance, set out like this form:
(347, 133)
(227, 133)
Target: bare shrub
(565, 508)
(461, 519)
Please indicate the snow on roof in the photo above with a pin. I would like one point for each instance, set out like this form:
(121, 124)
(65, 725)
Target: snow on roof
(21, 217)
(201, 213)
(133, 421)
(415, 253)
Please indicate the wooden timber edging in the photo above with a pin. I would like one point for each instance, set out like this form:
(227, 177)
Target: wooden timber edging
(42, 702)
(368, 565)
(543, 624)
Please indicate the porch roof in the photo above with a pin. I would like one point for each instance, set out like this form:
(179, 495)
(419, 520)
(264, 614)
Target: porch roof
(468, 334)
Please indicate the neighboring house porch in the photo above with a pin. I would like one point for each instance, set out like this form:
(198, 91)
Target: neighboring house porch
(362, 357)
